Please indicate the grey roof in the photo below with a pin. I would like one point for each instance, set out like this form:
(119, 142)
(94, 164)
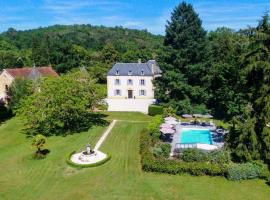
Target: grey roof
(135, 69)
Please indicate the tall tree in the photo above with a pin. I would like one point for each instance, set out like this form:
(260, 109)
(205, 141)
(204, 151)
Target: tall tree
(254, 130)
(184, 43)
(64, 104)
(258, 82)
(184, 33)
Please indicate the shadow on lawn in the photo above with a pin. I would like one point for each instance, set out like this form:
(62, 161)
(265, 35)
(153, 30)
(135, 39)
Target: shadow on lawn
(5, 112)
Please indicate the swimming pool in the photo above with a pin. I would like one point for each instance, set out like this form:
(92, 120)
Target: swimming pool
(201, 136)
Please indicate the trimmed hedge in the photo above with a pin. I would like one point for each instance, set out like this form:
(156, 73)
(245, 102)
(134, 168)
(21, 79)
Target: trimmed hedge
(152, 164)
(245, 171)
(197, 155)
(72, 164)
(155, 110)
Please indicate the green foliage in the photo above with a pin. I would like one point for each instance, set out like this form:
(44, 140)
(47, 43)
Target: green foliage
(72, 46)
(166, 149)
(155, 110)
(38, 142)
(162, 150)
(169, 111)
(194, 155)
(157, 151)
(184, 33)
(154, 125)
(243, 140)
(19, 90)
(243, 171)
(219, 157)
(80, 166)
(63, 105)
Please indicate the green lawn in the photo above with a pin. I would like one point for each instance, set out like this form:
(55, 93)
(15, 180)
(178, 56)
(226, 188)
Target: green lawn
(120, 178)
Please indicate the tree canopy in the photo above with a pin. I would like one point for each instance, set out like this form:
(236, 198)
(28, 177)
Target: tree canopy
(63, 105)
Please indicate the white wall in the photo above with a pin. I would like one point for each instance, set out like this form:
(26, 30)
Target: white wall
(124, 87)
(5, 79)
(134, 105)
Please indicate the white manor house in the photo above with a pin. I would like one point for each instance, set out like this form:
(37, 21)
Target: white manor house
(130, 86)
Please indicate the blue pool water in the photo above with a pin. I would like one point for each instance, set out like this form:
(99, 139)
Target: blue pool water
(202, 136)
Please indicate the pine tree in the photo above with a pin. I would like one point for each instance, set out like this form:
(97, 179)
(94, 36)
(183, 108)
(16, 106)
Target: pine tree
(258, 88)
(258, 77)
(184, 33)
(183, 46)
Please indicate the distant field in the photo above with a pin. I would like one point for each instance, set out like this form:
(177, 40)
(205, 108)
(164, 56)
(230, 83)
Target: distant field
(120, 178)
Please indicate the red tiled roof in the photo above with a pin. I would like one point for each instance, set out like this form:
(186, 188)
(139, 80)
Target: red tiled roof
(24, 72)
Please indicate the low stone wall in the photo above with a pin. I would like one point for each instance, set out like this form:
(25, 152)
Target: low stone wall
(133, 105)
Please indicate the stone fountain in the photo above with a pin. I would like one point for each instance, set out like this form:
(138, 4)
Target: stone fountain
(88, 156)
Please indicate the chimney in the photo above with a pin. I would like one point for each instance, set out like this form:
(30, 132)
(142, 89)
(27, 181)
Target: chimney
(139, 61)
(153, 68)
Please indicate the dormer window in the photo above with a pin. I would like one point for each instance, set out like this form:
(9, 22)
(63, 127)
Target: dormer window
(117, 72)
(129, 72)
(142, 72)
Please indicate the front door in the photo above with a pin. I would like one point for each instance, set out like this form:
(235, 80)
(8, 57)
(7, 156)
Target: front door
(130, 94)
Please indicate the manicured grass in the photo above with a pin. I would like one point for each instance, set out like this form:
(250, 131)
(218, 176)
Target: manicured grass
(120, 178)
(134, 116)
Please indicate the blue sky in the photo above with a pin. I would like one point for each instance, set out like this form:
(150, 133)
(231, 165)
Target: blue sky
(139, 14)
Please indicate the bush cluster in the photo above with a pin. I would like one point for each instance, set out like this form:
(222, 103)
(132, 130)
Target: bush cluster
(243, 171)
(154, 125)
(169, 111)
(155, 110)
(196, 155)
(162, 165)
(162, 150)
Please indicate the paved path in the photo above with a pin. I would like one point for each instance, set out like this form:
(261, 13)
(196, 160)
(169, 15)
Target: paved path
(105, 134)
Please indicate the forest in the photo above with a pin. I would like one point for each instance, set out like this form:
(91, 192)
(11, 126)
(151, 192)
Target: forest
(224, 72)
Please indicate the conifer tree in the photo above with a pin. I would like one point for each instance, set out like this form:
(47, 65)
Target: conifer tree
(184, 43)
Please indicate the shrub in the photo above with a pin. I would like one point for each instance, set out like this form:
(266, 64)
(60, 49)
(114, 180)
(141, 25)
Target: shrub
(162, 150)
(243, 171)
(166, 149)
(169, 111)
(265, 173)
(38, 142)
(194, 155)
(153, 126)
(157, 151)
(155, 110)
(219, 156)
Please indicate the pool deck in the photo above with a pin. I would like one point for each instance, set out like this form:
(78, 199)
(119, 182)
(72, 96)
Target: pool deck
(177, 134)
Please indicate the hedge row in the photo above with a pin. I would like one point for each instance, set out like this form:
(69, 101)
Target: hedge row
(155, 110)
(72, 164)
(250, 170)
(233, 171)
(151, 163)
